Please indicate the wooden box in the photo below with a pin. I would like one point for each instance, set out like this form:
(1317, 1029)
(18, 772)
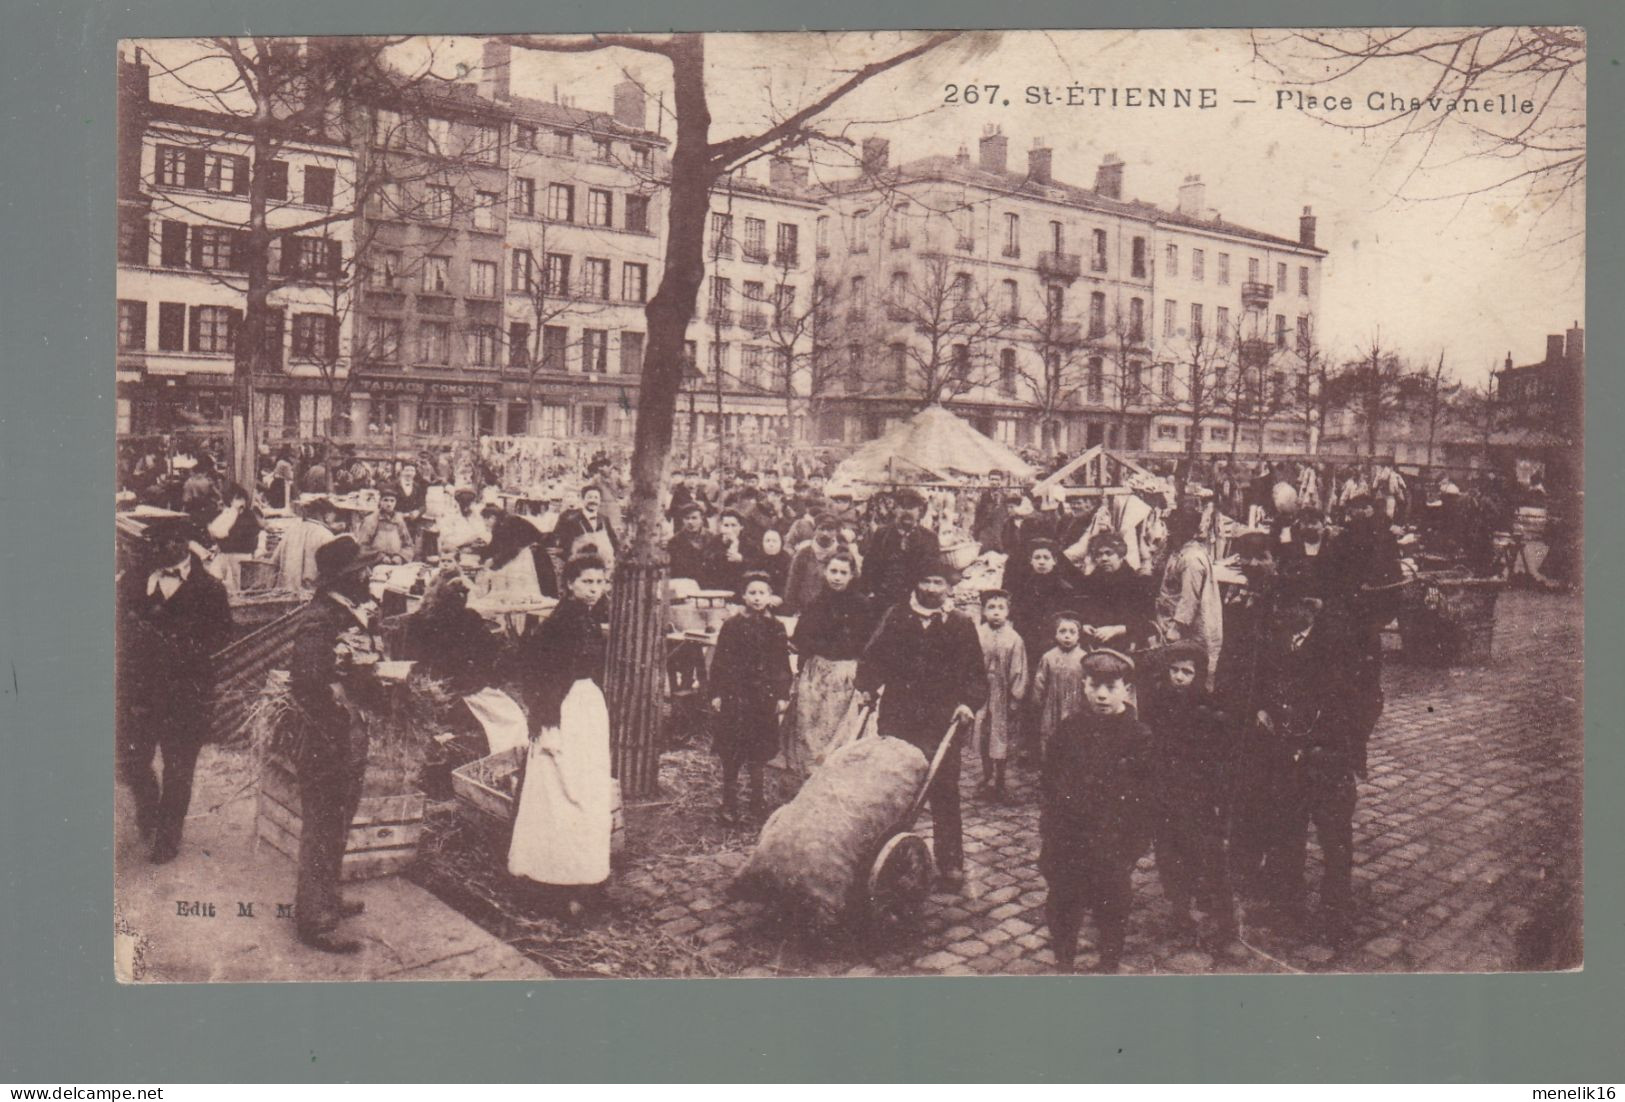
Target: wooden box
(383, 838)
(486, 790)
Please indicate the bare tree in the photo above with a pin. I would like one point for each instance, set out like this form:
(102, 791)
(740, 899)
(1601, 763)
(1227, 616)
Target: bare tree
(1201, 385)
(1060, 375)
(1531, 154)
(636, 659)
(1130, 359)
(1436, 389)
(270, 95)
(1374, 387)
(946, 323)
(1312, 401)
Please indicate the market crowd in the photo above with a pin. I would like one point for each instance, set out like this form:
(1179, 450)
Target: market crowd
(1190, 668)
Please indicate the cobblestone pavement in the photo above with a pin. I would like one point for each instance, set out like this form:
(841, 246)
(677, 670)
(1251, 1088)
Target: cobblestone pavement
(1468, 828)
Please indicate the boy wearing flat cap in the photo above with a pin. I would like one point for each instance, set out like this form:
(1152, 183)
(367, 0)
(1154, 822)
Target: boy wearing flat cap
(1097, 813)
(1192, 759)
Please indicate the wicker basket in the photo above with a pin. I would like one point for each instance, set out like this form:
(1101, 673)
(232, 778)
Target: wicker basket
(961, 555)
(1450, 621)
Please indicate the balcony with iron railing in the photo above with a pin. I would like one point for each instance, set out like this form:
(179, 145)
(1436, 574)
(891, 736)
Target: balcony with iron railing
(1057, 265)
(755, 254)
(1256, 294)
(753, 319)
(719, 315)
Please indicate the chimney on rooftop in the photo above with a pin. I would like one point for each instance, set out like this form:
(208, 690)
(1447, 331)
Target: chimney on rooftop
(963, 156)
(1040, 162)
(1576, 347)
(1193, 197)
(1109, 177)
(496, 62)
(995, 149)
(1306, 228)
(876, 152)
(781, 173)
(1554, 348)
(631, 105)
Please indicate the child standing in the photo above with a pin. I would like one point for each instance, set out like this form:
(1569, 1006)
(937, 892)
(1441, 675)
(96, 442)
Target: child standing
(750, 682)
(1192, 762)
(1058, 684)
(1005, 656)
(1095, 821)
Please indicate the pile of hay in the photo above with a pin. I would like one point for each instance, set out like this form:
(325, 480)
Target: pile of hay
(814, 854)
(402, 722)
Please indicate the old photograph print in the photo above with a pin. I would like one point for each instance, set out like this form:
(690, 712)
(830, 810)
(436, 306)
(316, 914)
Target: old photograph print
(849, 504)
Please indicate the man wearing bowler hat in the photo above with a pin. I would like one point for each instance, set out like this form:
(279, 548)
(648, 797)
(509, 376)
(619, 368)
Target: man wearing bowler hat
(326, 674)
(173, 617)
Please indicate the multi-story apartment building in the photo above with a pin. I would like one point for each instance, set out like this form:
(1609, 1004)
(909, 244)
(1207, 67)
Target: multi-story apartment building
(183, 254)
(494, 281)
(751, 340)
(506, 290)
(1050, 314)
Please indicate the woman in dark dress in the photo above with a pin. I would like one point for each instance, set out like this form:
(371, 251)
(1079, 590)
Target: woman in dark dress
(561, 833)
(830, 637)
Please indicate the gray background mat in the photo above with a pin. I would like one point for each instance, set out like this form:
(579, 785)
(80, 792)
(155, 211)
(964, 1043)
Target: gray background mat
(64, 1020)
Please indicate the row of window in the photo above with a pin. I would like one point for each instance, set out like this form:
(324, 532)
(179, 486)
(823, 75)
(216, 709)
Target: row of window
(1056, 242)
(1220, 434)
(559, 205)
(482, 142)
(224, 249)
(1198, 269)
(486, 345)
(228, 173)
(752, 245)
(213, 329)
(1197, 329)
(761, 308)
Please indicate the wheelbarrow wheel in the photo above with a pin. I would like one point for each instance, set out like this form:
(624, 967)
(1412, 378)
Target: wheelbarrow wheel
(899, 880)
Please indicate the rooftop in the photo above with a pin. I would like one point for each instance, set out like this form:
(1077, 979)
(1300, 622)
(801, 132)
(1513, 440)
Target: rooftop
(965, 171)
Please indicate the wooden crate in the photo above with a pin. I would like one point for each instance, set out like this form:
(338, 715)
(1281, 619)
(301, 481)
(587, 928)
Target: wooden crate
(484, 801)
(383, 837)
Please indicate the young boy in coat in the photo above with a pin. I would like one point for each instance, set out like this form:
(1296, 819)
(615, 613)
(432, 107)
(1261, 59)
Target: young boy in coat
(750, 683)
(1006, 658)
(1192, 759)
(1058, 684)
(1096, 817)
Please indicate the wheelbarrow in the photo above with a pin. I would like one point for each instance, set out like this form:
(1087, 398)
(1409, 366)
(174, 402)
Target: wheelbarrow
(902, 872)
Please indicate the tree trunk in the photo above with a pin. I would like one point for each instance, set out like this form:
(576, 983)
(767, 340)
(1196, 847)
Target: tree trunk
(636, 671)
(242, 444)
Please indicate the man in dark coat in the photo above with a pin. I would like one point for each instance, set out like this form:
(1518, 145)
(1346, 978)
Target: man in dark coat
(693, 551)
(1310, 687)
(898, 553)
(327, 672)
(173, 617)
(928, 659)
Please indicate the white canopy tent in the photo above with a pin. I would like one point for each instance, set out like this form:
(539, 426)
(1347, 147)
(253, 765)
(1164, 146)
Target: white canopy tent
(934, 444)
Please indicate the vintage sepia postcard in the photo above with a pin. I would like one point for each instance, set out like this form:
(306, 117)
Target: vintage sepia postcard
(850, 504)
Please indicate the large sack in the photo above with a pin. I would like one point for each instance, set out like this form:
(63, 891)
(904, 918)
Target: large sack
(815, 851)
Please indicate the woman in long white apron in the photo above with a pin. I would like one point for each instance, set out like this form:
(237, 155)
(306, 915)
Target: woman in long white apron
(830, 636)
(561, 833)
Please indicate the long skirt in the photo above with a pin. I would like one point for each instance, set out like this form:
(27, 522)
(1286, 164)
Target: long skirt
(562, 830)
(825, 713)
